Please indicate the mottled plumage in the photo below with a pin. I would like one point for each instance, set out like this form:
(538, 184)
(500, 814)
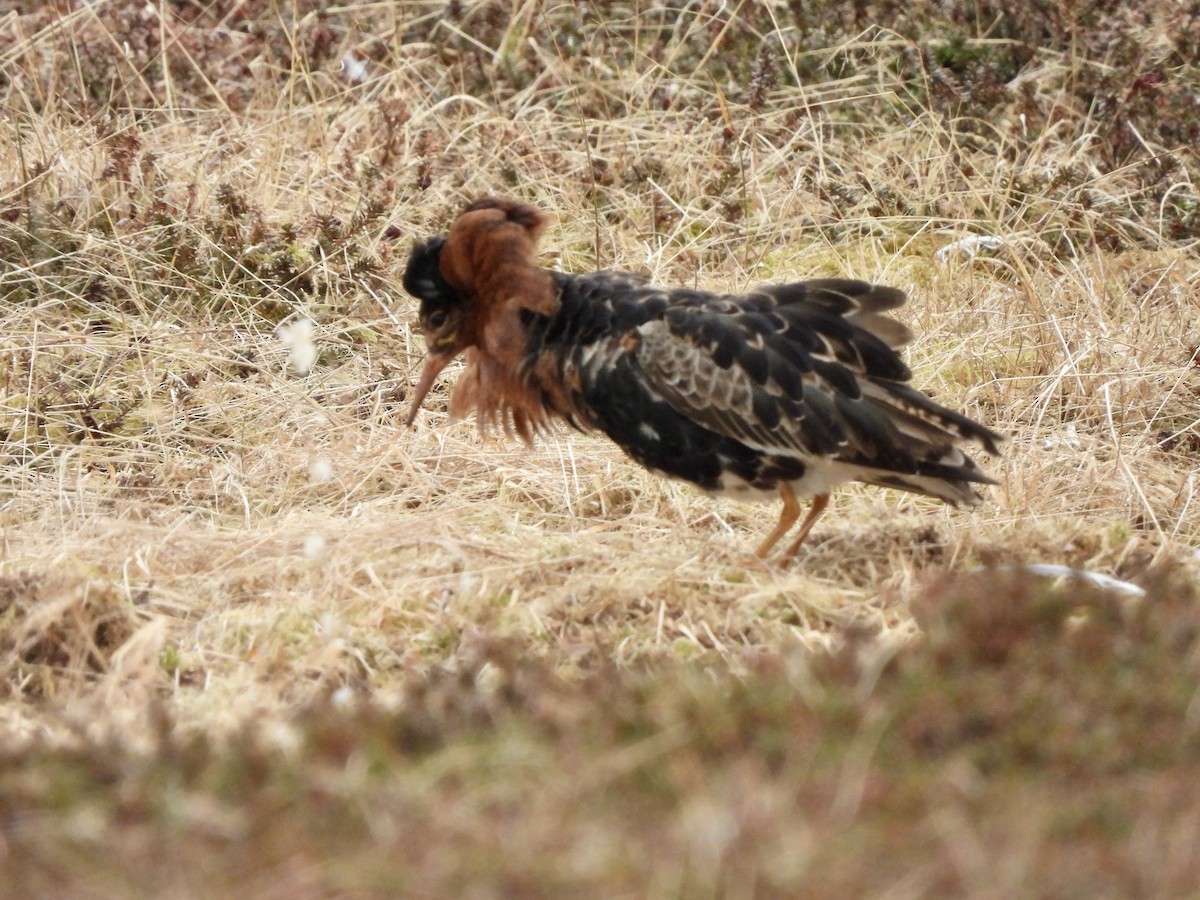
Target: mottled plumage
(789, 389)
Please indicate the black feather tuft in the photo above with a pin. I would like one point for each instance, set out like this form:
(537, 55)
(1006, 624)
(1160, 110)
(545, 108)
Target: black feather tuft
(423, 277)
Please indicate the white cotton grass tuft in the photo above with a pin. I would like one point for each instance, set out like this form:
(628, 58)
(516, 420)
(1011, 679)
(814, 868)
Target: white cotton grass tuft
(320, 471)
(298, 338)
(354, 68)
(315, 546)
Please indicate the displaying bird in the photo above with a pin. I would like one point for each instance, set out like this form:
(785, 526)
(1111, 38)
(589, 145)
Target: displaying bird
(787, 390)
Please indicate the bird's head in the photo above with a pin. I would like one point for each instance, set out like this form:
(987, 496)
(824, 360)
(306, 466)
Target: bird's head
(443, 311)
(468, 280)
(442, 317)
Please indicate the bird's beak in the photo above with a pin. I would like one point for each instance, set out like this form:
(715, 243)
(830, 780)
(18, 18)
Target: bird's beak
(434, 363)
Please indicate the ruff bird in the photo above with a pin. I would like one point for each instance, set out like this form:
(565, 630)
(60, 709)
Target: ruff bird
(783, 391)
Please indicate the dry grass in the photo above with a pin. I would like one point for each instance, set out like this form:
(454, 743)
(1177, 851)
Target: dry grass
(205, 548)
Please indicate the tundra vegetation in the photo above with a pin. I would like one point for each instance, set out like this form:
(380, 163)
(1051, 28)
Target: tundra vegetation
(258, 638)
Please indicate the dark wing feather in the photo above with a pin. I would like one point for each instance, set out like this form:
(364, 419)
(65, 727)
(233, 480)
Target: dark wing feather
(859, 302)
(707, 381)
(795, 370)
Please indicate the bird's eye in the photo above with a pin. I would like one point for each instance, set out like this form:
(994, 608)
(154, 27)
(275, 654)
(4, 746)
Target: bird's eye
(438, 319)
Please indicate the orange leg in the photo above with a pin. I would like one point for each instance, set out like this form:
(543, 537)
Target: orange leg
(787, 518)
(814, 512)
